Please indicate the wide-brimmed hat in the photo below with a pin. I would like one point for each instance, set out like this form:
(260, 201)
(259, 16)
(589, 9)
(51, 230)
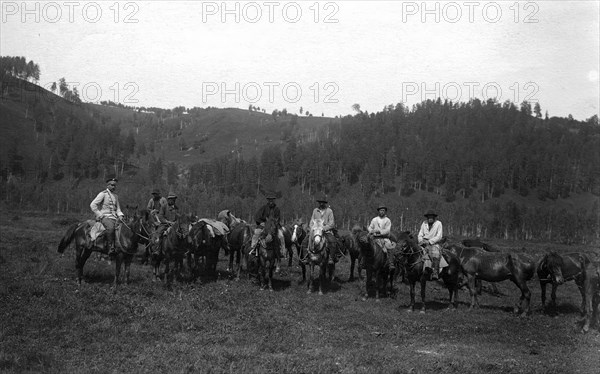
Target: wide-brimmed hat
(430, 213)
(321, 199)
(156, 191)
(270, 195)
(382, 206)
(112, 179)
(171, 195)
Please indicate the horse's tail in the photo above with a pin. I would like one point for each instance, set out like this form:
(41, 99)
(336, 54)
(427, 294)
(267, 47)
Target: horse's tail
(68, 238)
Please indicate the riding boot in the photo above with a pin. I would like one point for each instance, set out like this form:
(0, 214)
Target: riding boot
(111, 248)
(435, 265)
(277, 268)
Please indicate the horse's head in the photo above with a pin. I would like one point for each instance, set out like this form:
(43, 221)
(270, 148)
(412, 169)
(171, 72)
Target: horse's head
(298, 233)
(316, 229)
(409, 246)
(182, 226)
(554, 264)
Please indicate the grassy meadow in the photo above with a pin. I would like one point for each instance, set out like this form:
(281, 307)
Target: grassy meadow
(220, 325)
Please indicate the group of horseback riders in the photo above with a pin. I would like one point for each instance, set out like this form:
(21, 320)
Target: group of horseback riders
(164, 212)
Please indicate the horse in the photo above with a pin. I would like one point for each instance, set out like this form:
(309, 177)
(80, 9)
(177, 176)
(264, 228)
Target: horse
(239, 238)
(592, 295)
(171, 246)
(268, 246)
(351, 247)
(146, 230)
(497, 267)
(465, 253)
(556, 269)
(413, 259)
(127, 239)
(294, 236)
(205, 245)
(374, 261)
(315, 253)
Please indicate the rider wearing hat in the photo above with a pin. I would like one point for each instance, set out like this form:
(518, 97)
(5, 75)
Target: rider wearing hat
(380, 228)
(166, 218)
(107, 210)
(430, 235)
(269, 210)
(157, 206)
(324, 213)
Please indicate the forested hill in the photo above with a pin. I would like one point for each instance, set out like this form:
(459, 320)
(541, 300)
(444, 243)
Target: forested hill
(488, 168)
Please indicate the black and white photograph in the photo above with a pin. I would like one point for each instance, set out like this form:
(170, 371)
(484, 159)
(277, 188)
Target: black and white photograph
(300, 186)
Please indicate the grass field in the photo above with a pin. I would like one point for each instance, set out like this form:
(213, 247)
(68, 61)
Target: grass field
(48, 324)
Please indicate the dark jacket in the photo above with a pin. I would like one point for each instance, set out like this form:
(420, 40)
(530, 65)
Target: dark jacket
(265, 212)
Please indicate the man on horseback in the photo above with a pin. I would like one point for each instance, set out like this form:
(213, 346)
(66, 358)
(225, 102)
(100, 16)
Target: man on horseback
(166, 217)
(107, 210)
(157, 206)
(380, 228)
(324, 213)
(430, 236)
(269, 210)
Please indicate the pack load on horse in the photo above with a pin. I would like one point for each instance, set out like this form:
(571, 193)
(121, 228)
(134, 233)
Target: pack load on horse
(415, 270)
(558, 269)
(269, 211)
(110, 233)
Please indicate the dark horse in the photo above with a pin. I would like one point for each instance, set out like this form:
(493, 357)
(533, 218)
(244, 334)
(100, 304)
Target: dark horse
(464, 254)
(268, 246)
(374, 259)
(205, 245)
(496, 267)
(556, 269)
(351, 247)
(239, 239)
(413, 261)
(128, 236)
(294, 235)
(171, 246)
(316, 253)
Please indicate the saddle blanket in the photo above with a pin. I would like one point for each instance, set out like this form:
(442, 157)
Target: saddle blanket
(215, 227)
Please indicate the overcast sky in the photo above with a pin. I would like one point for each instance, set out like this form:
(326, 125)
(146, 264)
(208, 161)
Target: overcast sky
(323, 56)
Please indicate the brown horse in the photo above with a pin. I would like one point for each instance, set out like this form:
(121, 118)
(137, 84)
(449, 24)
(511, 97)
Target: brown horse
(171, 246)
(413, 259)
(351, 247)
(205, 245)
(239, 239)
(464, 254)
(317, 254)
(128, 236)
(497, 267)
(556, 269)
(374, 261)
(592, 296)
(268, 246)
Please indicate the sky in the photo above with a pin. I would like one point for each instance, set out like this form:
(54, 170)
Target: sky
(323, 57)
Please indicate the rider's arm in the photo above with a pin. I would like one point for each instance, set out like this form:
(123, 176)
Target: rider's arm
(328, 220)
(421, 233)
(97, 202)
(372, 226)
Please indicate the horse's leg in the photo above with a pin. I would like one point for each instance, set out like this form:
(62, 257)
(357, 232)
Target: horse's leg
(128, 260)
(553, 294)
(377, 284)
(472, 291)
(83, 253)
(352, 264)
(290, 255)
(479, 286)
(525, 294)
(543, 284)
(118, 261)
(423, 288)
(367, 282)
(310, 276)
(411, 307)
(579, 282)
(322, 276)
(270, 279)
